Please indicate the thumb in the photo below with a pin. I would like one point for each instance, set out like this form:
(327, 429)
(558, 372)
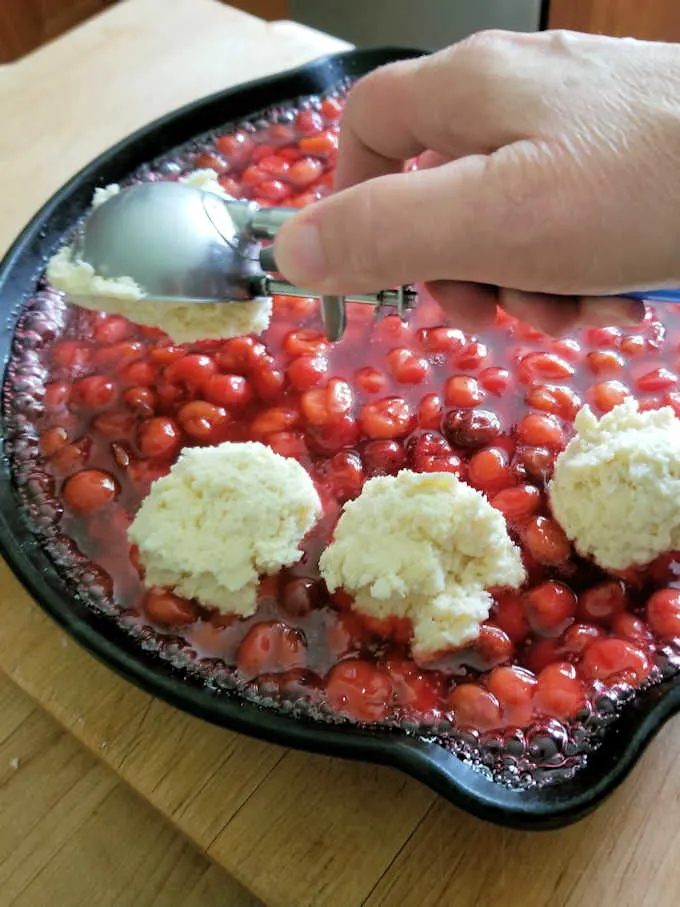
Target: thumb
(436, 224)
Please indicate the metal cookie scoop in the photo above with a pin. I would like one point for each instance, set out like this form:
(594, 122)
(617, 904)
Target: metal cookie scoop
(180, 244)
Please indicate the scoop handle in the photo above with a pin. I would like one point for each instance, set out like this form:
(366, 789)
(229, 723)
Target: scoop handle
(656, 296)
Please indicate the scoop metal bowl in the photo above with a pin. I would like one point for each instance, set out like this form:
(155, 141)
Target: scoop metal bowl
(181, 244)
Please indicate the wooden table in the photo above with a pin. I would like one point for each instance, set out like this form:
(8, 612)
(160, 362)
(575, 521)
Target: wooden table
(292, 828)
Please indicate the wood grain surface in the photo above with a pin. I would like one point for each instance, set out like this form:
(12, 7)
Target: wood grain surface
(73, 834)
(293, 828)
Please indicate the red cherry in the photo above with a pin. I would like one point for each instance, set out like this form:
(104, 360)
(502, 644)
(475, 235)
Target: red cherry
(489, 471)
(56, 394)
(273, 191)
(275, 165)
(235, 146)
(305, 171)
(308, 122)
(535, 463)
(252, 176)
(271, 646)
(471, 428)
(398, 629)
(416, 690)
(605, 395)
(268, 381)
(386, 419)
(322, 146)
(660, 379)
(139, 373)
(663, 613)
(514, 688)
(539, 430)
(168, 609)
(228, 390)
(116, 356)
(601, 603)
(306, 343)
(603, 337)
(554, 399)
(325, 406)
(544, 652)
(559, 692)
(164, 355)
(287, 443)
(159, 438)
(93, 393)
(611, 660)
(517, 503)
(543, 367)
(52, 440)
(510, 615)
(89, 490)
(274, 419)
(627, 626)
(70, 354)
(370, 380)
(474, 707)
(359, 690)
(605, 362)
(550, 607)
(578, 637)
(495, 380)
(463, 392)
(306, 372)
(441, 340)
(331, 109)
(430, 411)
(545, 541)
(329, 439)
(383, 458)
(207, 160)
(472, 357)
(493, 645)
(239, 355)
(346, 475)
(406, 367)
(192, 370)
(201, 420)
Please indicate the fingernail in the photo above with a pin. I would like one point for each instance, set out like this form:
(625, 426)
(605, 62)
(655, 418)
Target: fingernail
(299, 253)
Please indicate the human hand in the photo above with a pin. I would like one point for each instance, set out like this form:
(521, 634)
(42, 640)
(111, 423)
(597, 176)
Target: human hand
(549, 164)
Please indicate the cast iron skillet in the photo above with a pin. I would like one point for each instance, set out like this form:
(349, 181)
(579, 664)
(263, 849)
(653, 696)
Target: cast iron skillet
(548, 807)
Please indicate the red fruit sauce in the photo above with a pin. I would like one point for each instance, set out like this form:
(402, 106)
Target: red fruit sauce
(97, 408)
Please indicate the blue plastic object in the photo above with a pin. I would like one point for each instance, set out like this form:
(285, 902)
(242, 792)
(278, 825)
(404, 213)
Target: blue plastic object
(656, 296)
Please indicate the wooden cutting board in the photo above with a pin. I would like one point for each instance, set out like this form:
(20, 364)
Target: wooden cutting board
(295, 829)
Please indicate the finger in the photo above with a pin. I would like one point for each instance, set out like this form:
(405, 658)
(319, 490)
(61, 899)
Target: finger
(554, 315)
(468, 306)
(608, 311)
(436, 224)
(557, 315)
(451, 102)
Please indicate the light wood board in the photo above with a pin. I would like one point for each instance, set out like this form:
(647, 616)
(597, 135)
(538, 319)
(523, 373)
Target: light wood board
(73, 834)
(295, 829)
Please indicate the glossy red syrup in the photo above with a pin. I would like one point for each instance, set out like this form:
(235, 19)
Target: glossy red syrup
(98, 408)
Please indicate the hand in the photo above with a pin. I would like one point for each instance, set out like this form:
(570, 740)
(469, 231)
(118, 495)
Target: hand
(549, 164)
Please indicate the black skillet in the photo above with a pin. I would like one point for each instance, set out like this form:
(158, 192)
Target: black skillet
(541, 808)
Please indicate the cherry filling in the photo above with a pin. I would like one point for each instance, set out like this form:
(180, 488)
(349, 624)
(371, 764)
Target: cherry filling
(97, 408)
